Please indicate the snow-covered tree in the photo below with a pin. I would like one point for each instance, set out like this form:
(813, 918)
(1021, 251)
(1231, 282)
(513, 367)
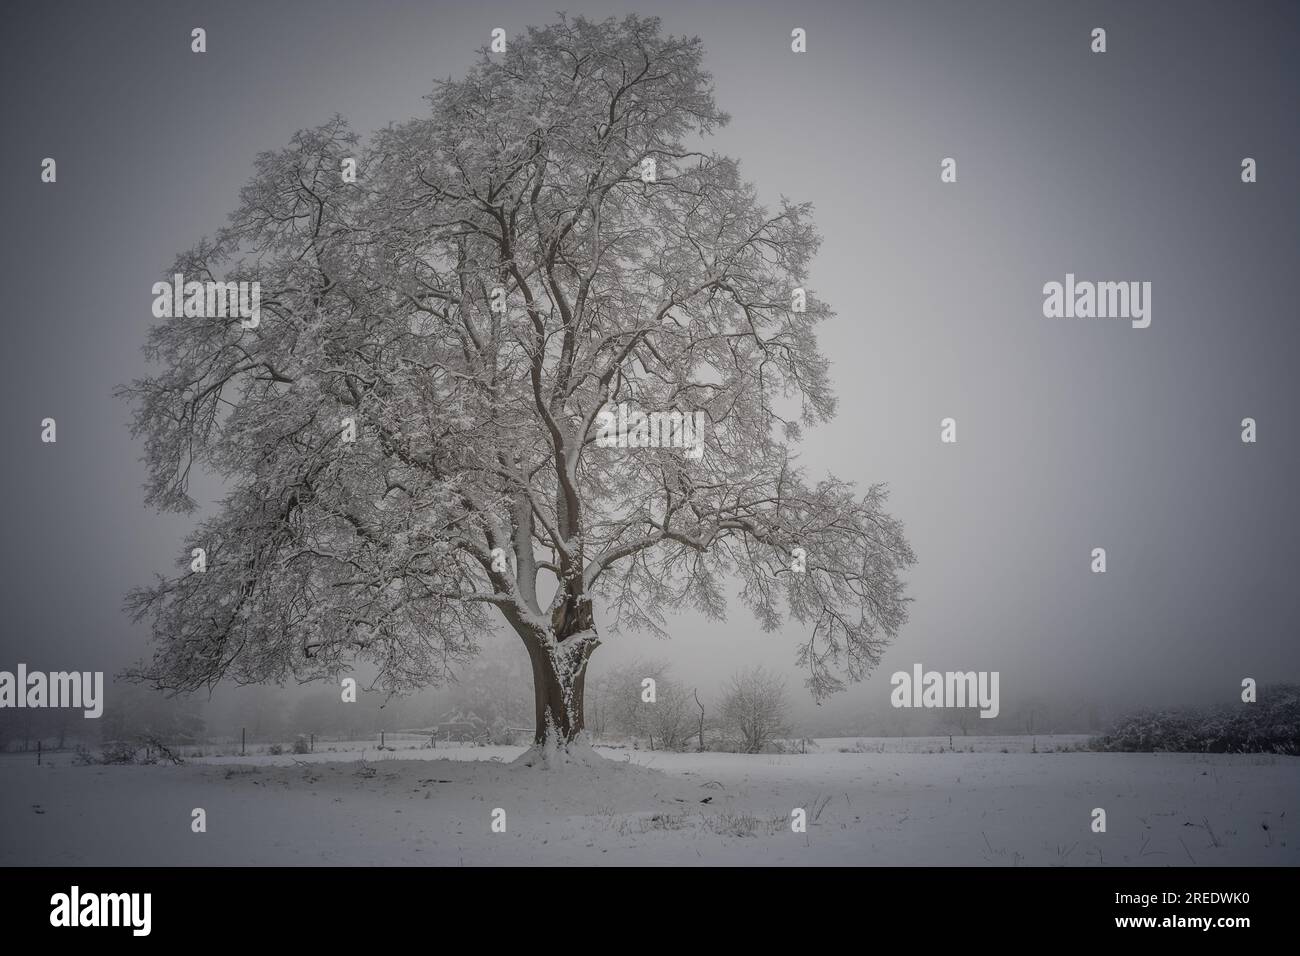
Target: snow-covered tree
(755, 709)
(411, 433)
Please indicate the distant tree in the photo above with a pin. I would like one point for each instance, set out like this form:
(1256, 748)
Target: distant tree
(1034, 715)
(960, 718)
(755, 709)
(700, 720)
(139, 712)
(410, 434)
(493, 688)
(318, 712)
(614, 695)
(616, 705)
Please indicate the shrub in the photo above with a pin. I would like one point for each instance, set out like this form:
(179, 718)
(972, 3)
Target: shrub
(118, 752)
(1270, 725)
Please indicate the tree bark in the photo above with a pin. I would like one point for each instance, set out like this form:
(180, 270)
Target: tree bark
(559, 661)
(558, 686)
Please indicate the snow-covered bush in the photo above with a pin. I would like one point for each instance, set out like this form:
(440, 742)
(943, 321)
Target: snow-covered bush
(118, 752)
(1269, 725)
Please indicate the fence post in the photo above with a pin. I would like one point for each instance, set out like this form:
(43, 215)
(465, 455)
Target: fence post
(38, 753)
(313, 743)
(381, 740)
(243, 738)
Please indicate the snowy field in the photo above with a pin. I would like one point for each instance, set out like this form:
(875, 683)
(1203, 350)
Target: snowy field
(906, 801)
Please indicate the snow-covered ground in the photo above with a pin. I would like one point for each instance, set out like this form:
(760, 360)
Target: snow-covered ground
(868, 801)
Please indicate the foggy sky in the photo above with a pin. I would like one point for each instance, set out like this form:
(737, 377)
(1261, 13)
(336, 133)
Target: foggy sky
(1072, 434)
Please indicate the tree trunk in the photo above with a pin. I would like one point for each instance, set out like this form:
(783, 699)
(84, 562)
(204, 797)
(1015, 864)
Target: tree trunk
(559, 660)
(559, 680)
